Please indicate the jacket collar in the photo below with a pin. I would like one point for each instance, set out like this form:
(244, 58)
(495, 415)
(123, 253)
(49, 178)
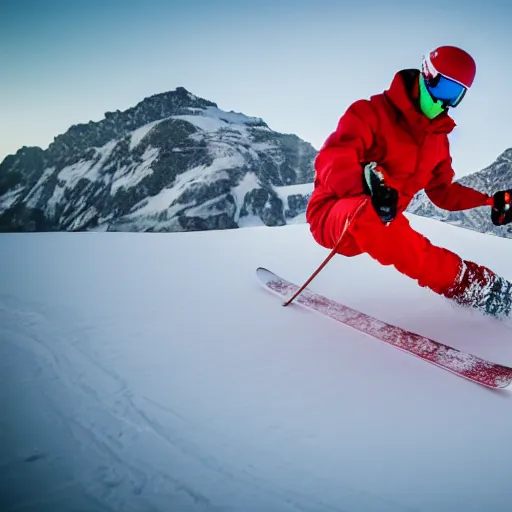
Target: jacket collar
(403, 94)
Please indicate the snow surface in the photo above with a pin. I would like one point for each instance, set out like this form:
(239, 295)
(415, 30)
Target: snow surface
(247, 184)
(137, 135)
(284, 192)
(34, 195)
(152, 372)
(70, 175)
(290, 190)
(213, 119)
(199, 175)
(86, 169)
(298, 219)
(206, 123)
(130, 176)
(250, 221)
(10, 197)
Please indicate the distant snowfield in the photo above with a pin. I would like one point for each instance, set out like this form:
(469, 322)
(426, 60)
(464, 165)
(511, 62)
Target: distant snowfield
(152, 372)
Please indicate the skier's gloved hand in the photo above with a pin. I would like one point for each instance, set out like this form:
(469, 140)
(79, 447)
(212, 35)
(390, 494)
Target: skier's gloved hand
(501, 203)
(384, 198)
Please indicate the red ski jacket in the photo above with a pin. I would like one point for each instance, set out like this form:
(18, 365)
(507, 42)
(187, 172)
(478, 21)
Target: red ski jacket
(411, 150)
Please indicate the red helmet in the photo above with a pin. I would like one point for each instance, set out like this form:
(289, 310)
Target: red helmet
(451, 62)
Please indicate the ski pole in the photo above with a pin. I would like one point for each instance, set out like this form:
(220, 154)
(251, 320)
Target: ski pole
(329, 257)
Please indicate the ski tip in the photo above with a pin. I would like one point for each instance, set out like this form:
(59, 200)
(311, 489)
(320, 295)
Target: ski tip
(264, 274)
(503, 382)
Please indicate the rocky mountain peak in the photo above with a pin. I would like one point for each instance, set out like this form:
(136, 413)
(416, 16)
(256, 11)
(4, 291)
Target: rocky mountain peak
(172, 162)
(116, 124)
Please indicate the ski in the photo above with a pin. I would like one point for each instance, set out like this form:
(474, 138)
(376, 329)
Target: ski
(461, 363)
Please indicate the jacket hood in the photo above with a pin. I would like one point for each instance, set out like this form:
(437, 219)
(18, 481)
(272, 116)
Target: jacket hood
(403, 93)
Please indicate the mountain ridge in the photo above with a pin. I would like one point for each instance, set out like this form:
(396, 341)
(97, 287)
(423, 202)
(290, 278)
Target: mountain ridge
(173, 162)
(495, 177)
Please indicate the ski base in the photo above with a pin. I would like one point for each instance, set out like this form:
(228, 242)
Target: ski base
(460, 363)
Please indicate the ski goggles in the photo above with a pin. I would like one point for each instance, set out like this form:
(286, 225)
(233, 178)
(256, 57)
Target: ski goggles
(447, 91)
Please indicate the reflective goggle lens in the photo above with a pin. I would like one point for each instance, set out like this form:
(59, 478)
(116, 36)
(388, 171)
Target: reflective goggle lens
(446, 90)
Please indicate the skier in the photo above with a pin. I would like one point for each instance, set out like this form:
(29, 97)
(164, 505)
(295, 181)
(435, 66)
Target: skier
(388, 148)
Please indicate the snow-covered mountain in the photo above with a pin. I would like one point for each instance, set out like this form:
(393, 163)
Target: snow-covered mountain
(498, 176)
(174, 162)
(147, 372)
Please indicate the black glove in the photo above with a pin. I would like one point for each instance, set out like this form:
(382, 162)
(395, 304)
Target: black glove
(501, 212)
(384, 199)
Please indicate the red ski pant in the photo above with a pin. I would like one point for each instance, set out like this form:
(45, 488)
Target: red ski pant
(396, 244)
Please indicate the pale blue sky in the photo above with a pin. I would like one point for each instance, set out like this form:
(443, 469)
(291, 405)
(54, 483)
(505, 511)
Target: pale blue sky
(297, 64)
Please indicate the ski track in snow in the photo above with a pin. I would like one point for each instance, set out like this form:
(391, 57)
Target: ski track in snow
(129, 383)
(91, 386)
(105, 418)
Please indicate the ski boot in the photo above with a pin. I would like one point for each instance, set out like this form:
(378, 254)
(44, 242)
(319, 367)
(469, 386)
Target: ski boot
(480, 288)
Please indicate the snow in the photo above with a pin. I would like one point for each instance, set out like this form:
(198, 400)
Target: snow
(303, 189)
(70, 175)
(56, 197)
(285, 192)
(206, 123)
(231, 117)
(10, 197)
(206, 209)
(83, 218)
(86, 169)
(137, 135)
(152, 372)
(248, 183)
(213, 119)
(130, 176)
(157, 203)
(262, 147)
(34, 195)
(198, 175)
(250, 221)
(298, 219)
